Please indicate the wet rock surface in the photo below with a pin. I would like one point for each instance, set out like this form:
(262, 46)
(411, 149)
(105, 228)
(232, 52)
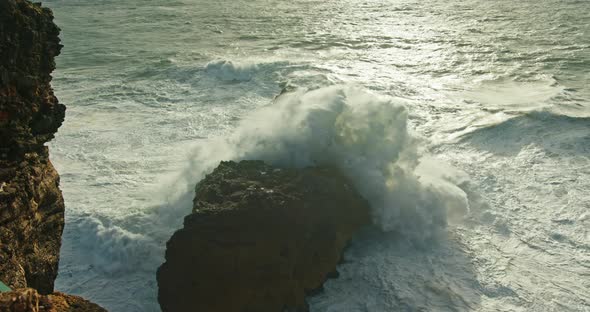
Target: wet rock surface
(260, 239)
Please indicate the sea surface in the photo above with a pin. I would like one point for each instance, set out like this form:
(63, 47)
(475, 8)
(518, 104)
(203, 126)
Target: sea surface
(466, 124)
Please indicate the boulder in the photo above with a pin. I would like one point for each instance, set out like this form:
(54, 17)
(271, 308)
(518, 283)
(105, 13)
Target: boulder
(260, 239)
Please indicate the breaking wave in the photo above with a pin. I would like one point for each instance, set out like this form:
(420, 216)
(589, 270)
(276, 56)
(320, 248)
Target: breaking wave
(118, 249)
(362, 134)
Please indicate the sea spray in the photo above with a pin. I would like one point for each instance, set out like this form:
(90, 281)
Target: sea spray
(364, 135)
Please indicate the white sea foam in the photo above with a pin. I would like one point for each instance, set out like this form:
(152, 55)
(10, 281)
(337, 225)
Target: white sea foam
(116, 249)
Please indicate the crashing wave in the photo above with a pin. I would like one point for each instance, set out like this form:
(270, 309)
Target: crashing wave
(362, 134)
(366, 136)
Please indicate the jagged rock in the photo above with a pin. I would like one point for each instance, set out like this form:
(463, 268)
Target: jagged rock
(28, 300)
(29, 43)
(32, 220)
(259, 239)
(31, 204)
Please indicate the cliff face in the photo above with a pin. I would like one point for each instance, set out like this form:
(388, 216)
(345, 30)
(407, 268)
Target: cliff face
(31, 204)
(259, 239)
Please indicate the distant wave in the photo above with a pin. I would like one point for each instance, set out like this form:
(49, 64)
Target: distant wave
(549, 116)
(230, 71)
(551, 131)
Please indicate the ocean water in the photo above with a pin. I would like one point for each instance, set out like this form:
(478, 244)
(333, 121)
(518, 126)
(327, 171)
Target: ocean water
(466, 124)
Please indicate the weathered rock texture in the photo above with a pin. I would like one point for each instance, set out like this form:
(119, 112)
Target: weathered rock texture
(259, 239)
(28, 300)
(31, 204)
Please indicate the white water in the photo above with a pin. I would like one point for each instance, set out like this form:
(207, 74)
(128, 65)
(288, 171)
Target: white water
(465, 123)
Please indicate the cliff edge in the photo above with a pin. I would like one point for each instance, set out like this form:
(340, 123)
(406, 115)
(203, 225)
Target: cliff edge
(259, 239)
(31, 203)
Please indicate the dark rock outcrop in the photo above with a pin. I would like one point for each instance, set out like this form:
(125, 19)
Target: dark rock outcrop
(259, 239)
(31, 204)
(28, 300)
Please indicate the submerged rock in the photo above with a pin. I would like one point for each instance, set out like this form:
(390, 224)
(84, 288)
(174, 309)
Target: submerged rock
(259, 239)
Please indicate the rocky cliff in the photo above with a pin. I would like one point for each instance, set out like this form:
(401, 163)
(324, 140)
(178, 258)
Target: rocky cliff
(259, 239)
(31, 204)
